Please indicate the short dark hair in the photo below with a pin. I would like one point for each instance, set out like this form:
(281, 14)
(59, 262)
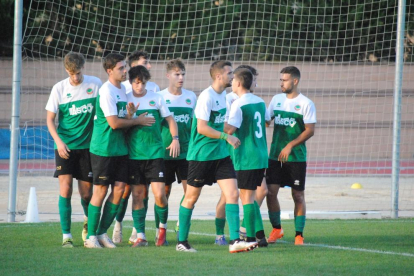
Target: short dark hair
(252, 69)
(291, 70)
(139, 72)
(74, 62)
(110, 61)
(136, 55)
(245, 77)
(218, 66)
(175, 64)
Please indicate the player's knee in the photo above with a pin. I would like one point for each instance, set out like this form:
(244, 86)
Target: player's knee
(298, 196)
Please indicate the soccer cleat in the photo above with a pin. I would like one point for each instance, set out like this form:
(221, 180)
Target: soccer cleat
(221, 240)
(105, 241)
(185, 247)
(299, 240)
(242, 246)
(140, 243)
(275, 235)
(92, 242)
(117, 233)
(242, 234)
(67, 243)
(262, 242)
(85, 228)
(133, 237)
(162, 237)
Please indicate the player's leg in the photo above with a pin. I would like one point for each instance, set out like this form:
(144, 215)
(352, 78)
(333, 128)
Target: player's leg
(94, 215)
(261, 192)
(65, 208)
(85, 190)
(220, 221)
(247, 198)
(161, 209)
(297, 171)
(139, 214)
(117, 233)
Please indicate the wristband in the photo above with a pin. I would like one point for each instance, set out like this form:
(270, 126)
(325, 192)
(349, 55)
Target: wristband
(175, 138)
(223, 136)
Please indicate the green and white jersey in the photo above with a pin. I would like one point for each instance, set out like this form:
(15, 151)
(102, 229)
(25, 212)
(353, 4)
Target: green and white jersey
(106, 141)
(76, 108)
(145, 142)
(210, 107)
(290, 117)
(249, 115)
(182, 109)
(150, 86)
(230, 98)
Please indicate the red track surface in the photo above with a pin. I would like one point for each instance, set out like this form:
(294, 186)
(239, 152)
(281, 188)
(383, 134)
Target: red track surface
(314, 167)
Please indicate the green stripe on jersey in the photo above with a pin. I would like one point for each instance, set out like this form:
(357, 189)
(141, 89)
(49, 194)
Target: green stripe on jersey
(287, 127)
(145, 142)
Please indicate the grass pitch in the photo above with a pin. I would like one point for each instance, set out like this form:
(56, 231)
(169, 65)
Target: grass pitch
(332, 247)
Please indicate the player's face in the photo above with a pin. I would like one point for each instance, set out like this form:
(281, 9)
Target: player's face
(76, 77)
(235, 84)
(287, 83)
(142, 61)
(119, 72)
(227, 76)
(176, 77)
(138, 87)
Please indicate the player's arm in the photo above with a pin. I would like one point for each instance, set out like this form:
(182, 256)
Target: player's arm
(204, 129)
(229, 129)
(62, 148)
(302, 138)
(174, 147)
(118, 123)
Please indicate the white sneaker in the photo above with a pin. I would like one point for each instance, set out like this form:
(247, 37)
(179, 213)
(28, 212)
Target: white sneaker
(85, 228)
(242, 246)
(92, 242)
(133, 238)
(185, 247)
(117, 233)
(105, 241)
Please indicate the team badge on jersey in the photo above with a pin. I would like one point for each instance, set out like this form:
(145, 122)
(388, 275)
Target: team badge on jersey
(188, 101)
(151, 103)
(297, 107)
(167, 101)
(89, 91)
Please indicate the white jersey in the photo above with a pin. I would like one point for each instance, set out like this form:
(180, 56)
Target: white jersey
(230, 98)
(150, 86)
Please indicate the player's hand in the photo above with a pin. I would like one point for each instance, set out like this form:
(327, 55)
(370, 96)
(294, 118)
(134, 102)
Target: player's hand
(131, 108)
(174, 148)
(63, 150)
(284, 154)
(234, 141)
(144, 120)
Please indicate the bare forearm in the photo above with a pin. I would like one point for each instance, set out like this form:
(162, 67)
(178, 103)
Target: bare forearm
(302, 138)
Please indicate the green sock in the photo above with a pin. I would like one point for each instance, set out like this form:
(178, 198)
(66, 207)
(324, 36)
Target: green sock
(108, 215)
(162, 214)
(122, 209)
(243, 224)
(300, 223)
(156, 216)
(184, 218)
(258, 221)
(85, 205)
(220, 224)
(275, 218)
(65, 212)
(249, 217)
(93, 219)
(139, 220)
(233, 218)
(182, 199)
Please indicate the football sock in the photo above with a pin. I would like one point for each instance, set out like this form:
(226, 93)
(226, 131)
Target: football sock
(162, 214)
(85, 205)
(139, 220)
(233, 219)
(249, 218)
(182, 199)
(122, 209)
(220, 224)
(93, 219)
(156, 216)
(185, 223)
(300, 223)
(108, 215)
(275, 219)
(65, 212)
(243, 224)
(258, 221)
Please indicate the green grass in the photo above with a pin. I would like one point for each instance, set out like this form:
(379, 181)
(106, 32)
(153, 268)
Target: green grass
(34, 249)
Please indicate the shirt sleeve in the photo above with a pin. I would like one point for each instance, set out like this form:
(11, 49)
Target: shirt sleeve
(267, 116)
(203, 108)
(163, 108)
(53, 102)
(309, 117)
(236, 115)
(107, 104)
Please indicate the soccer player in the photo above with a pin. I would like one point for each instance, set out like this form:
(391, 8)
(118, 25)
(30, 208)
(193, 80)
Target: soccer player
(109, 151)
(146, 155)
(247, 121)
(294, 123)
(209, 160)
(74, 98)
(136, 58)
(181, 103)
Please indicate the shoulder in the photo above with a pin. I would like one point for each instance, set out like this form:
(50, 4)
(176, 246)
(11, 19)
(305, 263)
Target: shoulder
(93, 79)
(305, 100)
(163, 92)
(60, 86)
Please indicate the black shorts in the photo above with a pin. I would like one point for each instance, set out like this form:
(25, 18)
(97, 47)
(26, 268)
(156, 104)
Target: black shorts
(146, 171)
(78, 165)
(107, 170)
(291, 174)
(202, 173)
(250, 179)
(175, 168)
